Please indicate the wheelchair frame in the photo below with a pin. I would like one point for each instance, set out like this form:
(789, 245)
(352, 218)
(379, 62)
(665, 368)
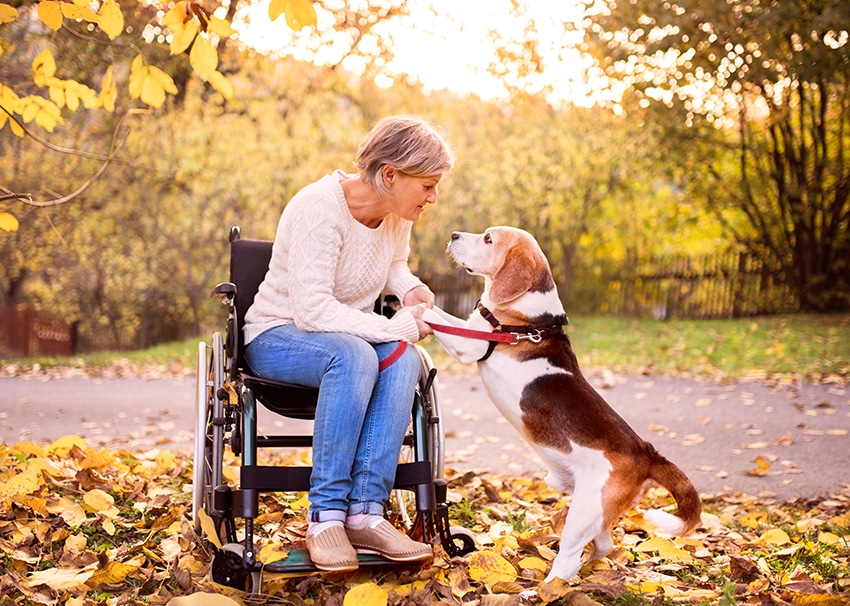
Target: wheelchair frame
(226, 415)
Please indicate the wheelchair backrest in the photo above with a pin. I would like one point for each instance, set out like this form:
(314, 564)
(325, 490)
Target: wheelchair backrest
(249, 262)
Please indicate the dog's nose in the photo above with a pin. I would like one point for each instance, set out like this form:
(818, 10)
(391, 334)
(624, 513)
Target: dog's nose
(455, 235)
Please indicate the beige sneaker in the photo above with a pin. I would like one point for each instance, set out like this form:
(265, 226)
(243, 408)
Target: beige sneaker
(331, 551)
(384, 539)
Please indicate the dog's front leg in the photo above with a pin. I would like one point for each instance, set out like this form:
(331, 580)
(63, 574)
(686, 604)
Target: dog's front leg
(462, 349)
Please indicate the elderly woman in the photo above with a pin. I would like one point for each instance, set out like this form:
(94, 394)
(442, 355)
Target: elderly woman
(340, 243)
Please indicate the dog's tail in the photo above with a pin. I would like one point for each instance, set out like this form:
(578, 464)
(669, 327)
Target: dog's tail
(687, 498)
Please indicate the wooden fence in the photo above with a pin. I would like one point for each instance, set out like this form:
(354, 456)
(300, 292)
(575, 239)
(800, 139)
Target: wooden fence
(728, 285)
(28, 333)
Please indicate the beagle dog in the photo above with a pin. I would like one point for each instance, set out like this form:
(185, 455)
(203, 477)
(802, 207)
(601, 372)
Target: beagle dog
(531, 374)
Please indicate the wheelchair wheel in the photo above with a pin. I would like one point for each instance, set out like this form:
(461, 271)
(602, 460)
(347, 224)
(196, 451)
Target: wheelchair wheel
(209, 437)
(227, 568)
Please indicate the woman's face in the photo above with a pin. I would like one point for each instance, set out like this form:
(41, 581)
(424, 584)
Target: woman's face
(412, 194)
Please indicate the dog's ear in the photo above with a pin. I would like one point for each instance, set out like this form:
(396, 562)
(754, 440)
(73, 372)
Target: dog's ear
(514, 277)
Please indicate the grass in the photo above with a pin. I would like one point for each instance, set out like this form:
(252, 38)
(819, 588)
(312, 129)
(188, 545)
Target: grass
(813, 348)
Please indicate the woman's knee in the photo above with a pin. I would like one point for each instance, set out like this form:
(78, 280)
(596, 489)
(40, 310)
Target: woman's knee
(353, 354)
(407, 365)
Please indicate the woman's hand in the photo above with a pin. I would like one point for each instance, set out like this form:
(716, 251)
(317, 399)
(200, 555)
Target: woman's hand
(420, 294)
(416, 311)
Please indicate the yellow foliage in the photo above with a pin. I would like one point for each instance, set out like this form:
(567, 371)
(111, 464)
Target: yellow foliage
(774, 538)
(108, 90)
(7, 13)
(203, 57)
(50, 14)
(98, 500)
(299, 13)
(220, 27)
(75, 11)
(490, 568)
(366, 594)
(111, 19)
(8, 222)
(43, 67)
(220, 83)
(112, 574)
(182, 37)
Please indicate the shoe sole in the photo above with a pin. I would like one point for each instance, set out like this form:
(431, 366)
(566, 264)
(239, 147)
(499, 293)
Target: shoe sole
(410, 558)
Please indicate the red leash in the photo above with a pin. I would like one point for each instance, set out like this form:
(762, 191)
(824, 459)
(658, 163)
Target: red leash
(484, 335)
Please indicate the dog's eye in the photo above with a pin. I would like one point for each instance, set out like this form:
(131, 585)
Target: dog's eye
(488, 239)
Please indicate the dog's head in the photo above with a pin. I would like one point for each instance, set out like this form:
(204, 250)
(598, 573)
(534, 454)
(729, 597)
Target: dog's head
(510, 259)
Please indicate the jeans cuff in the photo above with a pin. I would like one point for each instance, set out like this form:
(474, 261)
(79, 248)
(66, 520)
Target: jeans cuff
(327, 515)
(376, 509)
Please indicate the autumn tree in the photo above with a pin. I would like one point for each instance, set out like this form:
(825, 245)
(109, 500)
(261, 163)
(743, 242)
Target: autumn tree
(757, 95)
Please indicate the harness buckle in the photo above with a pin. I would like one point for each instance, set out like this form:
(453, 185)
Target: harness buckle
(534, 337)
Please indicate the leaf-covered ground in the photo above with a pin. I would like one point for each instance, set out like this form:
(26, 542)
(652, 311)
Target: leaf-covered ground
(85, 526)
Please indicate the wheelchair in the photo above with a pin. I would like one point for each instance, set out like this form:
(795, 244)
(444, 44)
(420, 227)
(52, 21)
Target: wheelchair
(226, 418)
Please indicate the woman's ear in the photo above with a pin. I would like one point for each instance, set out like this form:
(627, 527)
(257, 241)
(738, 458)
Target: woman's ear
(388, 174)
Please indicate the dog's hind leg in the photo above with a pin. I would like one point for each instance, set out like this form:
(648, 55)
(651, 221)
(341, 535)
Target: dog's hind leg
(602, 544)
(583, 525)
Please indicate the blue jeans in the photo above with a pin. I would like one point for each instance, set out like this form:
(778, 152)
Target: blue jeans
(361, 416)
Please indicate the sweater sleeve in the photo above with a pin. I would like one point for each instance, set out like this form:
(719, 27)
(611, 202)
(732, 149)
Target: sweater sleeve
(315, 246)
(400, 279)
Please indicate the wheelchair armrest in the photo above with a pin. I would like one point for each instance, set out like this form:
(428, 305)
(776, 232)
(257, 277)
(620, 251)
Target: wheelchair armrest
(224, 292)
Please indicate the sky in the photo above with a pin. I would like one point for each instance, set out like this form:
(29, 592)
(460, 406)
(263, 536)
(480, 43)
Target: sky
(454, 52)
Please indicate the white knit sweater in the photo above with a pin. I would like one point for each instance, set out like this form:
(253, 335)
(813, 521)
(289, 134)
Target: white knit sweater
(327, 269)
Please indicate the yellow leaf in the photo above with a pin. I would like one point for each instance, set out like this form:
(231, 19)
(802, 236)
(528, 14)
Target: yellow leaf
(98, 500)
(490, 568)
(219, 82)
(37, 504)
(272, 552)
(73, 11)
(209, 529)
(203, 599)
(97, 460)
(203, 57)
(43, 67)
(7, 13)
(182, 37)
(108, 90)
(57, 95)
(60, 578)
(753, 519)
(366, 594)
(177, 17)
(774, 537)
(153, 92)
(63, 446)
(300, 14)
(71, 512)
(111, 19)
(533, 563)
(50, 13)
(24, 483)
(8, 222)
(220, 27)
(28, 449)
(828, 538)
(665, 549)
(111, 574)
(138, 75)
(276, 8)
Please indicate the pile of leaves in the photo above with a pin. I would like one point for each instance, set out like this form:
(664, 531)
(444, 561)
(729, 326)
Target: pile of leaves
(84, 526)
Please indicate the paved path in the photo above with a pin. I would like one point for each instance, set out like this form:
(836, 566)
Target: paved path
(713, 431)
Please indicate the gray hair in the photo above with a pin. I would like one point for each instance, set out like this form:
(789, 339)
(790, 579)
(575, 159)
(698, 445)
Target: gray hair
(407, 143)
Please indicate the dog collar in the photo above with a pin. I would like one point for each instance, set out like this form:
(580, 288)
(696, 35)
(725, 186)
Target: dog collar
(535, 334)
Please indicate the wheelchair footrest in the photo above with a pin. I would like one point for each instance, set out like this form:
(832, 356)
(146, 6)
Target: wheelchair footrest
(298, 560)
